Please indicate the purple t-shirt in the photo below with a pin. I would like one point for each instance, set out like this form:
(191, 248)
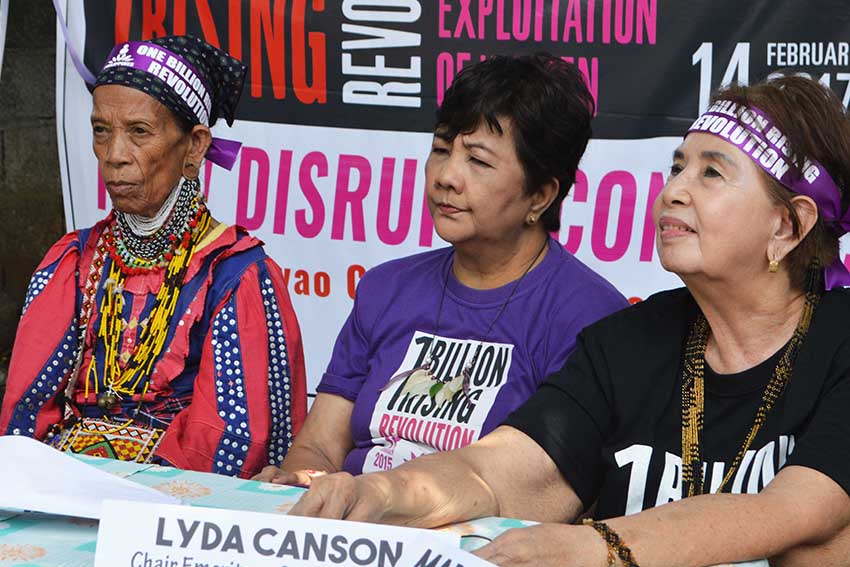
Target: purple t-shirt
(391, 329)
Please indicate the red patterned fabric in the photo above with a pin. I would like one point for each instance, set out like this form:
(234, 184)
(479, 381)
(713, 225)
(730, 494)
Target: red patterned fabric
(222, 411)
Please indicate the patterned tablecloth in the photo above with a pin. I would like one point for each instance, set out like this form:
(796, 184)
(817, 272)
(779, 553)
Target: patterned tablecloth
(43, 540)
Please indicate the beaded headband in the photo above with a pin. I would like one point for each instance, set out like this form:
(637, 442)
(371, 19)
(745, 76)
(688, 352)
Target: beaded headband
(754, 133)
(175, 82)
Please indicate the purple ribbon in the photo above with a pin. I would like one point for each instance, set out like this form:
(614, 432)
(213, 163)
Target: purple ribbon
(836, 274)
(78, 64)
(754, 133)
(223, 152)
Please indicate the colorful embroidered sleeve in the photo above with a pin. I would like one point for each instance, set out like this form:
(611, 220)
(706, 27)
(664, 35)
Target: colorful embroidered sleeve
(45, 344)
(249, 395)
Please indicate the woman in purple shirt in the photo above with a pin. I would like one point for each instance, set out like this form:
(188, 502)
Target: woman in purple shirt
(441, 346)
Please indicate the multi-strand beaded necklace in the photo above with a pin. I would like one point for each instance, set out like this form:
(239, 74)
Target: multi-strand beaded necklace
(170, 247)
(137, 253)
(693, 396)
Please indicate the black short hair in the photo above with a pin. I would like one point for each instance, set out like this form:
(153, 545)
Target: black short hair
(548, 104)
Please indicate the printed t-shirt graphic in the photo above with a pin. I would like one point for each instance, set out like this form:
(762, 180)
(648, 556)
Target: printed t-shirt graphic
(392, 324)
(407, 425)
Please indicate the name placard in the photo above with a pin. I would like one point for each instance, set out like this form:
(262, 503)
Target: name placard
(134, 534)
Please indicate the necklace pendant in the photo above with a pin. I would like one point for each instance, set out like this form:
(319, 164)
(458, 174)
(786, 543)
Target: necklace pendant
(419, 382)
(108, 400)
(420, 375)
(451, 388)
(425, 366)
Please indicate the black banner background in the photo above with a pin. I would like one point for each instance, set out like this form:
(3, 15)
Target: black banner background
(647, 89)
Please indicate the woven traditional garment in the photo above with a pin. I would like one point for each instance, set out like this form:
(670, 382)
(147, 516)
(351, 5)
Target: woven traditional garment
(110, 440)
(221, 410)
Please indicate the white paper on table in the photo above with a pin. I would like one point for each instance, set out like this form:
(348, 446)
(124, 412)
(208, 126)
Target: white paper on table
(185, 535)
(36, 477)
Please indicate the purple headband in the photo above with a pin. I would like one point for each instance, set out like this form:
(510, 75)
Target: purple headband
(751, 131)
(181, 77)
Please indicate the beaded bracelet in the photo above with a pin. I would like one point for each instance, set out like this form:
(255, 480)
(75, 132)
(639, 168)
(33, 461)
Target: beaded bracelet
(616, 547)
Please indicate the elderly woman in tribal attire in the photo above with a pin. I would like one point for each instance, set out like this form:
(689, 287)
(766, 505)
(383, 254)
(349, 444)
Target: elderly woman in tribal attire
(708, 424)
(160, 334)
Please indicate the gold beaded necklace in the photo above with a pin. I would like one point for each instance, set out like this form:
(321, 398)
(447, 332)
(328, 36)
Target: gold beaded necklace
(693, 396)
(152, 338)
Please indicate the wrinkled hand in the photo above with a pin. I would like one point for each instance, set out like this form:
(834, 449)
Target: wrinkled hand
(546, 544)
(276, 475)
(341, 496)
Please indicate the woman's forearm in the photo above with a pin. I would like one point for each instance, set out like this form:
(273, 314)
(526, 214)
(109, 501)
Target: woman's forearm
(434, 490)
(309, 457)
(800, 506)
(325, 439)
(478, 481)
(832, 553)
(704, 530)
(505, 473)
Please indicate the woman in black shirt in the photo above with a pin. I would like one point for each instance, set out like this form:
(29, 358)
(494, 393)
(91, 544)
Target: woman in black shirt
(708, 424)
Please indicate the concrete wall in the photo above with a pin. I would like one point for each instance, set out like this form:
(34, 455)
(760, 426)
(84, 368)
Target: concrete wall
(31, 216)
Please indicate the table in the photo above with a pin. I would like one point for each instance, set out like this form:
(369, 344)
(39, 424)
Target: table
(44, 540)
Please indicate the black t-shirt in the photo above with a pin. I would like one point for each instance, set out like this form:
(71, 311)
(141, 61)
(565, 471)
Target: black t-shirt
(611, 417)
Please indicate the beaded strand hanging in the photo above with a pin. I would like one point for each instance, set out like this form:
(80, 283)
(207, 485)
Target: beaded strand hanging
(174, 253)
(693, 396)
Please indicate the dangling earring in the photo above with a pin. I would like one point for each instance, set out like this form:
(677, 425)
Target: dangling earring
(773, 266)
(191, 185)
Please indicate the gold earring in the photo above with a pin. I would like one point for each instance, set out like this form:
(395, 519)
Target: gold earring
(532, 219)
(773, 266)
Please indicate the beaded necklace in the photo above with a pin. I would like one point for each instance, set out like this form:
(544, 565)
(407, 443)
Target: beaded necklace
(177, 256)
(148, 226)
(138, 253)
(693, 396)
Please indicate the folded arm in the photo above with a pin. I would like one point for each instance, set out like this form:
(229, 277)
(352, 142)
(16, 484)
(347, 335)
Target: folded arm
(831, 553)
(800, 506)
(798, 511)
